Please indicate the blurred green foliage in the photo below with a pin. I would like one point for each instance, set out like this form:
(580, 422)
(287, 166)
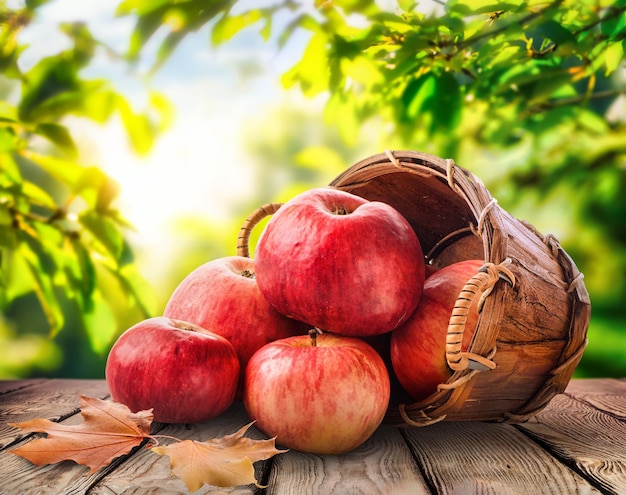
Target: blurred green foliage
(62, 243)
(527, 94)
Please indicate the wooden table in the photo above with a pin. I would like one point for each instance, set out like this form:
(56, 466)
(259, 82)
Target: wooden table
(576, 445)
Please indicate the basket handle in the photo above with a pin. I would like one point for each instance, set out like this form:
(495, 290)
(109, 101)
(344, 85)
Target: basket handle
(480, 285)
(243, 239)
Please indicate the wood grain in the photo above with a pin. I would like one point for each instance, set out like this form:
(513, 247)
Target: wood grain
(7, 386)
(467, 458)
(383, 465)
(589, 440)
(52, 399)
(607, 395)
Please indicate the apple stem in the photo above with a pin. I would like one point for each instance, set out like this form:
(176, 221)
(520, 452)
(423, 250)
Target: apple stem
(313, 333)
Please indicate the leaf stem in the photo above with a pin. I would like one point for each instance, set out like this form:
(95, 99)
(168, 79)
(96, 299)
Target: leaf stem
(155, 438)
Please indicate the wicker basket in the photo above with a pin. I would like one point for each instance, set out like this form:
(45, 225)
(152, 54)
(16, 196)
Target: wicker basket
(535, 309)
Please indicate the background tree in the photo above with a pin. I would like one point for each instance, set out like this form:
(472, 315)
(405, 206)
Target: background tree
(529, 95)
(63, 247)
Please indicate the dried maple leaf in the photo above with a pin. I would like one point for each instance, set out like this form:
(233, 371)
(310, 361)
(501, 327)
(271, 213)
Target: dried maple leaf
(223, 462)
(109, 430)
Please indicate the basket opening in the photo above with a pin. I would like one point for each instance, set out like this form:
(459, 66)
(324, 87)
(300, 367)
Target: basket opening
(440, 217)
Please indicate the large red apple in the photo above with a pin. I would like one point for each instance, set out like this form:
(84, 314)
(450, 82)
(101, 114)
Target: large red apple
(341, 263)
(222, 296)
(322, 396)
(185, 373)
(418, 346)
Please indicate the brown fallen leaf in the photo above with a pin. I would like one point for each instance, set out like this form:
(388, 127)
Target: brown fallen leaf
(109, 430)
(223, 462)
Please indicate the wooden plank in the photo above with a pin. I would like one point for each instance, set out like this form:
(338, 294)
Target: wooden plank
(488, 458)
(608, 394)
(7, 386)
(148, 473)
(52, 399)
(589, 440)
(383, 465)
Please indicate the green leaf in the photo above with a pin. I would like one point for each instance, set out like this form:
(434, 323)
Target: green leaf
(10, 174)
(407, 5)
(100, 105)
(474, 7)
(163, 108)
(363, 70)
(96, 188)
(312, 71)
(506, 56)
(34, 4)
(53, 79)
(416, 94)
(106, 233)
(138, 127)
(38, 196)
(148, 22)
(59, 135)
(556, 32)
(100, 323)
(82, 268)
(303, 21)
(14, 270)
(137, 286)
(141, 7)
(6, 218)
(7, 140)
(65, 171)
(613, 56)
(614, 26)
(8, 112)
(229, 25)
(42, 268)
(432, 101)
(266, 30)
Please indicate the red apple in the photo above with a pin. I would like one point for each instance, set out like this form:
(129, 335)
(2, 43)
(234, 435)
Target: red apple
(418, 346)
(184, 372)
(326, 398)
(341, 263)
(222, 296)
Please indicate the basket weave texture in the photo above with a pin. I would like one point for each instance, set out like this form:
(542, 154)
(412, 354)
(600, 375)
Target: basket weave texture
(535, 308)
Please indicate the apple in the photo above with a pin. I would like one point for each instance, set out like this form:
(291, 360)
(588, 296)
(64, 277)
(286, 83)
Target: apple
(184, 372)
(418, 346)
(222, 296)
(341, 263)
(320, 395)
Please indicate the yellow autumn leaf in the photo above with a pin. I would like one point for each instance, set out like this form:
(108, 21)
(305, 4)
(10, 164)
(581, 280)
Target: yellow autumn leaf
(224, 462)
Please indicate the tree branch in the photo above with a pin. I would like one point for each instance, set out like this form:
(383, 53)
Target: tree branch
(612, 13)
(501, 29)
(562, 102)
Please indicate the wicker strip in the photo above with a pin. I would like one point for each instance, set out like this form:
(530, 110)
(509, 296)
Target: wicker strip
(243, 240)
